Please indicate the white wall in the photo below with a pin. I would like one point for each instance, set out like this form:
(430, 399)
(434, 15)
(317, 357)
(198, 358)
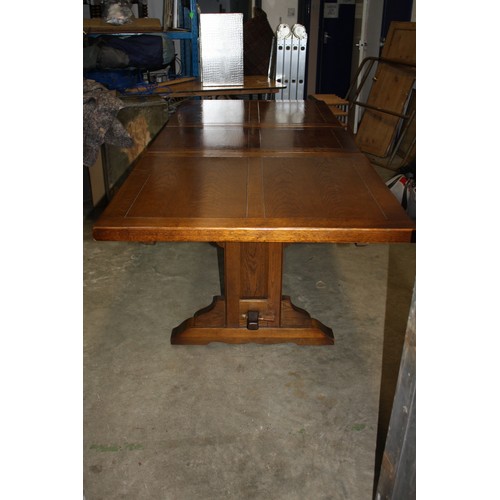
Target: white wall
(155, 9)
(277, 12)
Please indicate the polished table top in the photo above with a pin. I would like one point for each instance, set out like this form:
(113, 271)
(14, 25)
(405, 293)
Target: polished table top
(268, 171)
(252, 176)
(252, 85)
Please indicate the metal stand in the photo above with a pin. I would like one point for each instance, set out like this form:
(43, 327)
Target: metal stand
(288, 61)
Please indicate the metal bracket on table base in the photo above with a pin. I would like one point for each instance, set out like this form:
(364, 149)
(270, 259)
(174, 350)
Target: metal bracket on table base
(253, 320)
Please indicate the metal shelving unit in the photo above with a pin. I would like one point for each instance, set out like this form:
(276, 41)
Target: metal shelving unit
(188, 37)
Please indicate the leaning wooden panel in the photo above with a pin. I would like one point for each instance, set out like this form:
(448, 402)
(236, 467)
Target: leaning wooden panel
(390, 91)
(401, 43)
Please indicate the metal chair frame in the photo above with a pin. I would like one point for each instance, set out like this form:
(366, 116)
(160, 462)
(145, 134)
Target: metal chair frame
(406, 119)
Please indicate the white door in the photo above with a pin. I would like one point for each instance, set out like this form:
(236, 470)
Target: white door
(367, 43)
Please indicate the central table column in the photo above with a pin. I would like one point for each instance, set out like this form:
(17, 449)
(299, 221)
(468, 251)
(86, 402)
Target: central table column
(252, 308)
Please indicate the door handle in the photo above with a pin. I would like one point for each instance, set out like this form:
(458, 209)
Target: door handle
(326, 36)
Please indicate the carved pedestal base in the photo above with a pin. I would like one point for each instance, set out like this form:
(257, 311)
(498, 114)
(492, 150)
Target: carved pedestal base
(252, 308)
(208, 325)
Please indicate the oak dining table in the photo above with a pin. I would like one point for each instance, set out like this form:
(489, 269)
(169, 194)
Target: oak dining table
(252, 177)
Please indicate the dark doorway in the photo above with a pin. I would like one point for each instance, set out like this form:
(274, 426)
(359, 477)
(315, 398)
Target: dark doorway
(395, 10)
(304, 18)
(335, 42)
(330, 56)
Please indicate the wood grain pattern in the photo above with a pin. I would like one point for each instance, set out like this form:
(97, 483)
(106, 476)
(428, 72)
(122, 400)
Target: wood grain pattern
(284, 199)
(194, 113)
(187, 187)
(310, 113)
(252, 85)
(275, 174)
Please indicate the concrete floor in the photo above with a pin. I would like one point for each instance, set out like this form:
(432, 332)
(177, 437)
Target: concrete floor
(244, 421)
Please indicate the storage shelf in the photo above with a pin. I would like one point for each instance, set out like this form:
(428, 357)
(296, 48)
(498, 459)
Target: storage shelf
(187, 37)
(98, 26)
(179, 35)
